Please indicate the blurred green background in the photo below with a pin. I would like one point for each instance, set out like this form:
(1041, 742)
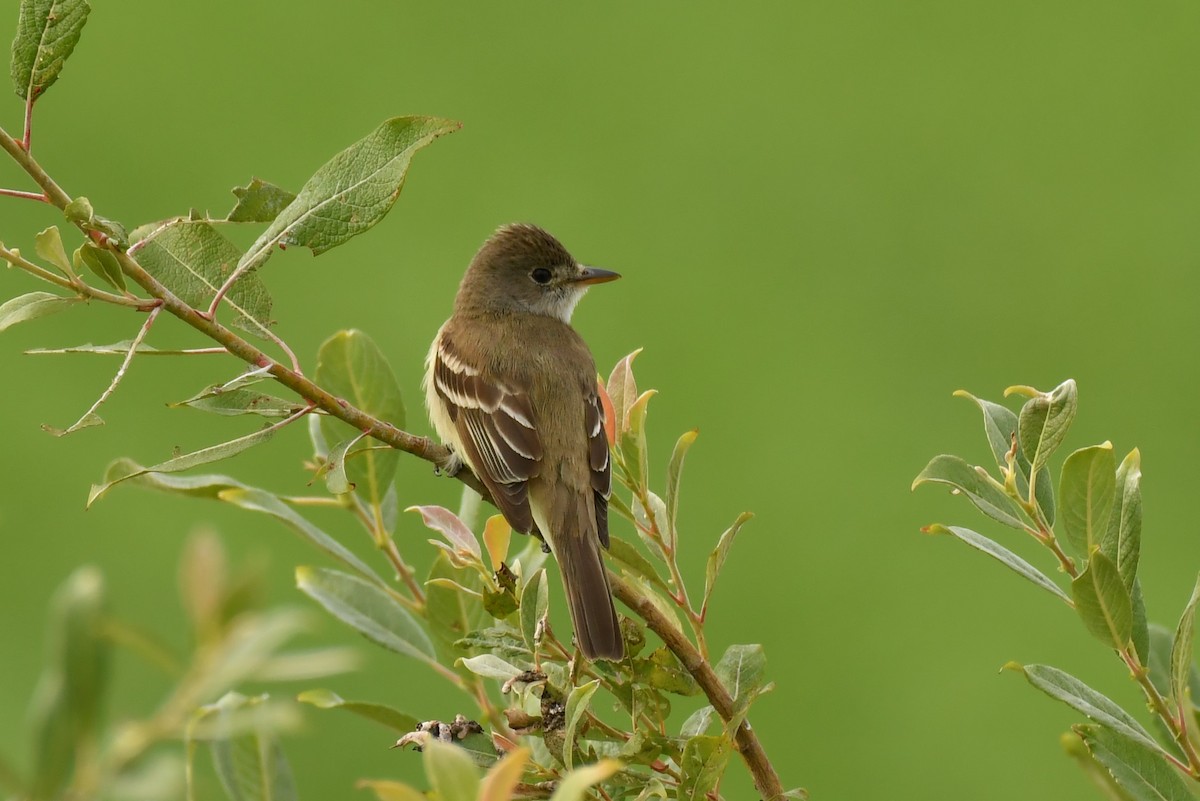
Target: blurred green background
(828, 215)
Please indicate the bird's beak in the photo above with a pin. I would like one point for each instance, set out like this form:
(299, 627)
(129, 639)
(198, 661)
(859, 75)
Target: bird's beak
(594, 275)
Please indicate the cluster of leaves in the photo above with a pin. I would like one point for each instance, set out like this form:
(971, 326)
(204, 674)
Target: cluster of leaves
(1098, 511)
(78, 753)
(480, 622)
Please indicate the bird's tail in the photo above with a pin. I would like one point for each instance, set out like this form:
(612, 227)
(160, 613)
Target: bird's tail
(577, 549)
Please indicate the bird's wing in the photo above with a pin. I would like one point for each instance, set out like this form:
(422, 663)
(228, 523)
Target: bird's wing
(495, 426)
(598, 460)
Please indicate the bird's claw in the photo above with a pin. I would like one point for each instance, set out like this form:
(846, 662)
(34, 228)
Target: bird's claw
(450, 467)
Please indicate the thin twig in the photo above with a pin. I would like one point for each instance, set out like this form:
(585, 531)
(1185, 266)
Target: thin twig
(38, 196)
(112, 387)
(81, 287)
(27, 138)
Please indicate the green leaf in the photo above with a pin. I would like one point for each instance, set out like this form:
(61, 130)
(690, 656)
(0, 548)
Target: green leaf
(32, 306)
(491, 666)
(674, 474)
(716, 559)
(250, 642)
(251, 767)
(987, 497)
(49, 245)
(622, 391)
(633, 450)
(575, 785)
(352, 367)
(703, 764)
(385, 790)
(68, 701)
(47, 32)
(368, 609)
(1181, 651)
(452, 615)
(451, 772)
(447, 524)
(80, 211)
(1000, 426)
(1103, 603)
(1082, 698)
(1086, 492)
(233, 398)
(629, 557)
(213, 453)
(1002, 555)
(1044, 420)
(742, 670)
(204, 486)
(698, 722)
(351, 192)
(103, 263)
(1123, 540)
(577, 705)
(259, 201)
(662, 670)
(334, 469)
(257, 500)
(1143, 773)
(193, 259)
(535, 601)
(122, 348)
(392, 718)
(1141, 626)
(1162, 642)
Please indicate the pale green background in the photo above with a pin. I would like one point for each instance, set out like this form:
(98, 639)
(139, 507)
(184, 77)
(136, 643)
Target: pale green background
(829, 216)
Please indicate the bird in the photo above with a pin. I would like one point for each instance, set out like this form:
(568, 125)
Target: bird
(512, 389)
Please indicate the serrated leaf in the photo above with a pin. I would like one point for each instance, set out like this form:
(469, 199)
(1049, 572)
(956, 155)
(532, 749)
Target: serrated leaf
(1103, 603)
(1000, 426)
(575, 785)
(47, 33)
(213, 453)
(193, 259)
(742, 670)
(674, 475)
(392, 718)
(1123, 539)
(446, 523)
(1086, 492)
(1182, 659)
(367, 609)
(351, 192)
(716, 559)
(32, 306)
(963, 478)
(1071, 691)
(352, 367)
(259, 201)
(251, 767)
(103, 264)
(1002, 555)
(535, 600)
(577, 704)
(1142, 773)
(49, 245)
(703, 764)
(1044, 420)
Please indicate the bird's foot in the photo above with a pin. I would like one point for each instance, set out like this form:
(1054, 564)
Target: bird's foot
(450, 466)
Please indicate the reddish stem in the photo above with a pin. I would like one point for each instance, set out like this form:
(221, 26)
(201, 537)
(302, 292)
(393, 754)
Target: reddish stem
(25, 195)
(27, 139)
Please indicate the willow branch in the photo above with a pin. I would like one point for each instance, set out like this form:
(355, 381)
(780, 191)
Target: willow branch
(766, 780)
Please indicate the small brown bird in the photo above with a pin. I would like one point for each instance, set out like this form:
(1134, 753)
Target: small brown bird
(512, 389)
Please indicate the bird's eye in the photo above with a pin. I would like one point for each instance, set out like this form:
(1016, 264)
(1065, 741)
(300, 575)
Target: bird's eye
(541, 275)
